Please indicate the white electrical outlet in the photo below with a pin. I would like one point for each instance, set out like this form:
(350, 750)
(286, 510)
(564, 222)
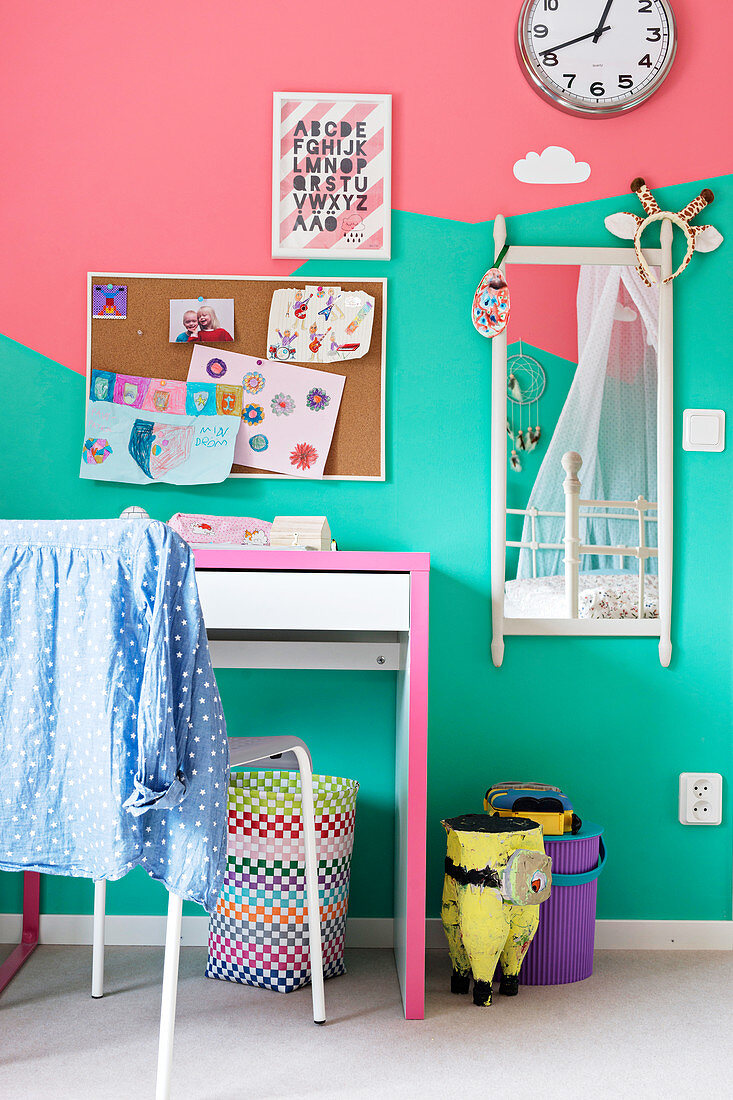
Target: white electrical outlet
(701, 798)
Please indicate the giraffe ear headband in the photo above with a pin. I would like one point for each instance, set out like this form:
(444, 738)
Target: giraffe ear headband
(631, 227)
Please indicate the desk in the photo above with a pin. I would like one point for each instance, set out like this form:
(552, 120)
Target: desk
(341, 610)
(327, 609)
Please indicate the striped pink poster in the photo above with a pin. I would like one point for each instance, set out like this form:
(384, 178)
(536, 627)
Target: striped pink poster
(331, 166)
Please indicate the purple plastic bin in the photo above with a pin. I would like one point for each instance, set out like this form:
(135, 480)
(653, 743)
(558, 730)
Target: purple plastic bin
(562, 949)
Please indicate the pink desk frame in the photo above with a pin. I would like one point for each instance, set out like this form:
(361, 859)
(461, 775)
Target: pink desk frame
(411, 739)
(410, 754)
(29, 935)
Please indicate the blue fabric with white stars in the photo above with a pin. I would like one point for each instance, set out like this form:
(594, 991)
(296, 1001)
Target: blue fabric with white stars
(113, 746)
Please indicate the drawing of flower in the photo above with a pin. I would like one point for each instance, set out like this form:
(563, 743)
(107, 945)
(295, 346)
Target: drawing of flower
(303, 456)
(317, 399)
(282, 404)
(259, 443)
(253, 381)
(216, 368)
(253, 414)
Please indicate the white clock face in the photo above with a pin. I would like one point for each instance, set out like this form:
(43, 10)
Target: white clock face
(596, 57)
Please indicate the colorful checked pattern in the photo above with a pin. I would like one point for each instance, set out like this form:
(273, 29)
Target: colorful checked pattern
(259, 932)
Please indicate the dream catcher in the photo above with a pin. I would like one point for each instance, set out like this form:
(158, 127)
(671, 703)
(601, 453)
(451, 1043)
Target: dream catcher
(525, 385)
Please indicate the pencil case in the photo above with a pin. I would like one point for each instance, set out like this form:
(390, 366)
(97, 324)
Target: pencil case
(199, 530)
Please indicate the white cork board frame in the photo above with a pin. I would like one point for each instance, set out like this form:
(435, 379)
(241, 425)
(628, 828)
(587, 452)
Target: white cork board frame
(139, 345)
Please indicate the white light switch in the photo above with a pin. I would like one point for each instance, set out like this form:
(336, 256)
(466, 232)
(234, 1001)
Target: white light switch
(703, 430)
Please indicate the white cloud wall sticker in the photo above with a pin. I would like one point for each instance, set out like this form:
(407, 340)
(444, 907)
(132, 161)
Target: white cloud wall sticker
(553, 165)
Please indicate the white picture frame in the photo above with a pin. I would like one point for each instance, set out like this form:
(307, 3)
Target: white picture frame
(321, 217)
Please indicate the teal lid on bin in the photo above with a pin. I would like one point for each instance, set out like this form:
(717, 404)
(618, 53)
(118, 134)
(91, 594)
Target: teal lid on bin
(587, 830)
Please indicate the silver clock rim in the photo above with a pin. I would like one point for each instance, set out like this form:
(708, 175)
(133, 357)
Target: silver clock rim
(601, 110)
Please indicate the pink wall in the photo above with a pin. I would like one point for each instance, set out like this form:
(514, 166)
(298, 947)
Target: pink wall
(544, 313)
(137, 137)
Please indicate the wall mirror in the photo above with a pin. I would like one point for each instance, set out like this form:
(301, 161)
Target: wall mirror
(581, 468)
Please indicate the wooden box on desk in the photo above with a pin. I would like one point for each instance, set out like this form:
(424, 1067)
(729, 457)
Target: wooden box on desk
(311, 532)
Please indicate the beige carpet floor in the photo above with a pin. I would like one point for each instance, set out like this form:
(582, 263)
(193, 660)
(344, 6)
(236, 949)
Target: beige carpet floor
(652, 1025)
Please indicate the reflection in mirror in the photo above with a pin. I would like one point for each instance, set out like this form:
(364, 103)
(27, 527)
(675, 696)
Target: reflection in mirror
(582, 472)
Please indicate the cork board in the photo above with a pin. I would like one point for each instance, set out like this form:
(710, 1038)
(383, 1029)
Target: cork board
(139, 345)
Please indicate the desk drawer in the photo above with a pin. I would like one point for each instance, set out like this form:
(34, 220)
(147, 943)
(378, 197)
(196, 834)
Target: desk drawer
(278, 600)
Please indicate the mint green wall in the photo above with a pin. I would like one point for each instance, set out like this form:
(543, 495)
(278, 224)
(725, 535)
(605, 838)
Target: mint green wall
(600, 718)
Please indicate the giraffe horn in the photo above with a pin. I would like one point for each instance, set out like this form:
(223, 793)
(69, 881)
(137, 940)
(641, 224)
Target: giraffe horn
(699, 203)
(647, 200)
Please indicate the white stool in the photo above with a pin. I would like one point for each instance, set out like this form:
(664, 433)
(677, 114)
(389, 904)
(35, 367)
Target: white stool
(284, 752)
(287, 752)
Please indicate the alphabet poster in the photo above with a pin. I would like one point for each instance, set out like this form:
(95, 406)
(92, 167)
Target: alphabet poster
(331, 176)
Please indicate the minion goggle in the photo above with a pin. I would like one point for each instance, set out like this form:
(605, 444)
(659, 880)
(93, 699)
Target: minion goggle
(525, 880)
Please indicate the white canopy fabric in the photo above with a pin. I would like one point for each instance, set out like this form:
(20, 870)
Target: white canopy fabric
(609, 418)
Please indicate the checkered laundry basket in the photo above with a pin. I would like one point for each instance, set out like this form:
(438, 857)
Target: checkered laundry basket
(259, 932)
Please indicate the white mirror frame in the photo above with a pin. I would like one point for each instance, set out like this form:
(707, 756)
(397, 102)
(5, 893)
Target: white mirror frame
(661, 627)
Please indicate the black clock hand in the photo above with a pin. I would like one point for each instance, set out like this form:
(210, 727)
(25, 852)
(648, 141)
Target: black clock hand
(600, 28)
(554, 49)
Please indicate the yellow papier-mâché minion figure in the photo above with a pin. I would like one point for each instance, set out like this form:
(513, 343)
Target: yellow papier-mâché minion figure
(496, 876)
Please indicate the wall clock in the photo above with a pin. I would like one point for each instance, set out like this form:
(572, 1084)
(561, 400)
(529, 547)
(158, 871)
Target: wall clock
(596, 57)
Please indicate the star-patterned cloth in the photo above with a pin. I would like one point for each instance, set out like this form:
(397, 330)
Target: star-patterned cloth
(113, 746)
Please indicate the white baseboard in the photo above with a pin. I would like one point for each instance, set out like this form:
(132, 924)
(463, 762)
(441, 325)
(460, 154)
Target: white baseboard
(641, 935)
(625, 935)
(664, 935)
(148, 931)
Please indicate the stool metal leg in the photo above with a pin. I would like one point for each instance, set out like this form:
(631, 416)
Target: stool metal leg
(311, 885)
(100, 890)
(168, 1000)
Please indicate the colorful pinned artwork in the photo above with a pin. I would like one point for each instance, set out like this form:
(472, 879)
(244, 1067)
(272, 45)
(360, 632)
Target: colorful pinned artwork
(216, 368)
(317, 399)
(320, 324)
(158, 449)
(282, 404)
(102, 386)
(230, 367)
(140, 430)
(253, 414)
(164, 396)
(293, 415)
(253, 381)
(109, 300)
(201, 398)
(303, 455)
(96, 450)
